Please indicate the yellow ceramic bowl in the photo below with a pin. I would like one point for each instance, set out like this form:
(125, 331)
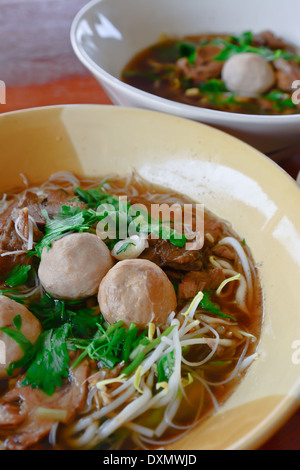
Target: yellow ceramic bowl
(234, 181)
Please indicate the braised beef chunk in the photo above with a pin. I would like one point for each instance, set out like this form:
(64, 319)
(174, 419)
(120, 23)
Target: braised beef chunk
(22, 427)
(56, 198)
(166, 255)
(9, 239)
(21, 210)
(268, 39)
(30, 205)
(32, 202)
(195, 281)
(213, 227)
(224, 251)
(201, 71)
(286, 73)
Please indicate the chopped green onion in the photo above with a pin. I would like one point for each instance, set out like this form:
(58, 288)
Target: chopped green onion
(142, 354)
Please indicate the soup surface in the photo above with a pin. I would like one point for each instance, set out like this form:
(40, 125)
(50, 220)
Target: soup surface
(204, 71)
(130, 350)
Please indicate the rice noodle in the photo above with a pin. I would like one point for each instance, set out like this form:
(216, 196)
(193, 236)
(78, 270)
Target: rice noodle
(13, 253)
(243, 259)
(31, 226)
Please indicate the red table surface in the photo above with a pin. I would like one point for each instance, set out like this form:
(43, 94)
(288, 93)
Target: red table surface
(40, 68)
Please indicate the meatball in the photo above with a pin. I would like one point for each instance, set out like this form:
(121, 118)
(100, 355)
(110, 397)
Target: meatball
(136, 291)
(30, 327)
(248, 74)
(74, 266)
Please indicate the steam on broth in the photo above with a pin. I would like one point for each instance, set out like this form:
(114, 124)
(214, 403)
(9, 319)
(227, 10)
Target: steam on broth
(133, 341)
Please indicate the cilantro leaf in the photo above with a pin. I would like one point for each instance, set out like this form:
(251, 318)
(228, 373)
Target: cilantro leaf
(213, 85)
(83, 321)
(68, 220)
(92, 197)
(189, 50)
(51, 361)
(124, 247)
(244, 39)
(52, 313)
(72, 219)
(17, 276)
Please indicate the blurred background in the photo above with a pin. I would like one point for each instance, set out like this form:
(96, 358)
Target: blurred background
(37, 62)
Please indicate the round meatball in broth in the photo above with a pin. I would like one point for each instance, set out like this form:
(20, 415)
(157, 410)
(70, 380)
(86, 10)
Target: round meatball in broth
(30, 327)
(74, 266)
(248, 74)
(136, 291)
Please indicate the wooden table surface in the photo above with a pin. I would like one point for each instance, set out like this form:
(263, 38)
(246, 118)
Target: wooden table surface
(39, 68)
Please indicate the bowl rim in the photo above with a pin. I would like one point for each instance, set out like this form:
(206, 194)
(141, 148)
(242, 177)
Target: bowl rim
(290, 403)
(189, 110)
(61, 106)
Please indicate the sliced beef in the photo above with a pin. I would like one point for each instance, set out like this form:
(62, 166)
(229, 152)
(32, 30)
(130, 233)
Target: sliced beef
(195, 281)
(203, 69)
(286, 73)
(268, 39)
(20, 425)
(30, 205)
(225, 251)
(213, 227)
(24, 222)
(206, 53)
(166, 255)
(9, 239)
(21, 209)
(56, 198)
(31, 201)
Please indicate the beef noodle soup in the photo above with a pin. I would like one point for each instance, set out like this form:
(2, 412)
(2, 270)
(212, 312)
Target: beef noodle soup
(117, 340)
(250, 73)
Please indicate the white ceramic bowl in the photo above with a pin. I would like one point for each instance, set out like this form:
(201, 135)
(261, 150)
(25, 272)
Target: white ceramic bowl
(106, 34)
(235, 182)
